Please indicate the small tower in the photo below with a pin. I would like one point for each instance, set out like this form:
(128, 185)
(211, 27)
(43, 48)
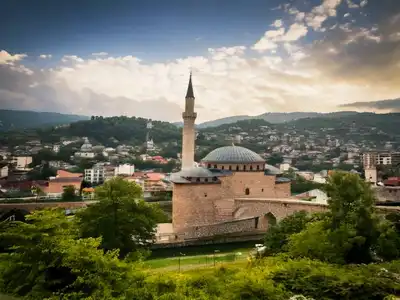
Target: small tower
(188, 131)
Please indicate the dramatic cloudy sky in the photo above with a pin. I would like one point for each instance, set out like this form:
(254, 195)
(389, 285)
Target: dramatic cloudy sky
(132, 57)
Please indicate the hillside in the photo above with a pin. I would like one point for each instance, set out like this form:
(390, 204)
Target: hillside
(15, 119)
(107, 131)
(274, 118)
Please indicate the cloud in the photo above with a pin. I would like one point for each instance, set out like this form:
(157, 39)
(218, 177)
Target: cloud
(100, 54)
(44, 56)
(7, 58)
(390, 105)
(291, 68)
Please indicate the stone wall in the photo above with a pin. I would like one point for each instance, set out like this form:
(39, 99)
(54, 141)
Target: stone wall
(388, 193)
(193, 204)
(243, 225)
(279, 208)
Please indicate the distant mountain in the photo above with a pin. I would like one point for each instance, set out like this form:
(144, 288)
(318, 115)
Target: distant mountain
(18, 119)
(274, 118)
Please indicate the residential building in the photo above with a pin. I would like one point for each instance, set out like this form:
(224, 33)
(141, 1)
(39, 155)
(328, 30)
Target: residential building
(99, 173)
(3, 171)
(125, 169)
(55, 187)
(21, 162)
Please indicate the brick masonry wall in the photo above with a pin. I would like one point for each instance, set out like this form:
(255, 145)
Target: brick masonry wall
(279, 208)
(193, 204)
(388, 193)
(246, 225)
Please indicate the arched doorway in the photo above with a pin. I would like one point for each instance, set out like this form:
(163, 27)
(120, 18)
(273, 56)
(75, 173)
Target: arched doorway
(269, 220)
(247, 191)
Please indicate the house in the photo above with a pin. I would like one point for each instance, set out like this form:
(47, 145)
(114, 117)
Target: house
(316, 195)
(55, 187)
(66, 174)
(3, 171)
(21, 162)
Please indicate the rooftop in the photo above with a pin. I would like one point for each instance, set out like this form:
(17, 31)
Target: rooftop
(234, 155)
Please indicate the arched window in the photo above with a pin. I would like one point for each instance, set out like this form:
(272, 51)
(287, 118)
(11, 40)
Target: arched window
(247, 191)
(206, 180)
(244, 168)
(230, 168)
(262, 190)
(215, 166)
(251, 168)
(237, 168)
(222, 167)
(270, 219)
(258, 167)
(205, 194)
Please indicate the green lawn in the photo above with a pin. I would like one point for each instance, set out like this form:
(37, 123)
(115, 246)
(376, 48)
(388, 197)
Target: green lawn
(181, 260)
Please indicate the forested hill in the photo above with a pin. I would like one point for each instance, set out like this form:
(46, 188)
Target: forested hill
(15, 119)
(111, 131)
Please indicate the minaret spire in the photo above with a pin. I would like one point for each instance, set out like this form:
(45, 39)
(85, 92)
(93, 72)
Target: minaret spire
(189, 93)
(188, 131)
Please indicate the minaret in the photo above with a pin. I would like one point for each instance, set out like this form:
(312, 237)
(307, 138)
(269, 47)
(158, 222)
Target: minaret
(188, 132)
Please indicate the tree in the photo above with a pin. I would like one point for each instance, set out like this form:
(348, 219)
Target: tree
(120, 217)
(48, 261)
(69, 193)
(351, 231)
(278, 235)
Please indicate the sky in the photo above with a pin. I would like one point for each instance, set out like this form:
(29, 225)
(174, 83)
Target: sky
(133, 57)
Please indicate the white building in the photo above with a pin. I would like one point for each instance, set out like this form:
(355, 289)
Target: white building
(56, 148)
(85, 154)
(125, 169)
(4, 171)
(95, 175)
(21, 162)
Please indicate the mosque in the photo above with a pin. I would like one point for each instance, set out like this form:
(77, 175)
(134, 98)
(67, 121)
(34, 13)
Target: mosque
(232, 190)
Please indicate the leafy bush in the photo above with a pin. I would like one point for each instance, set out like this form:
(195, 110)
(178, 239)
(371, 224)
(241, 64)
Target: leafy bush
(323, 281)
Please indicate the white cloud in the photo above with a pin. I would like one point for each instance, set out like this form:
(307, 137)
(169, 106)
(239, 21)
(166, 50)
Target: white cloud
(277, 23)
(100, 54)
(351, 4)
(295, 32)
(7, 58)
(71, 58)
(363, 3)
(44, 56)
(319, 14)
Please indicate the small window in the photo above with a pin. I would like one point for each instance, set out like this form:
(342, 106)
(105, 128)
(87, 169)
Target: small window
(222, 167)
(215, 166)
(244, 168)
(237, 168)
(206, 180)
(209, 166)
(247, 191)
(205, 194)
(251, 168)
(230, 168)
(198, 179)
(262, 190)
(258, 167)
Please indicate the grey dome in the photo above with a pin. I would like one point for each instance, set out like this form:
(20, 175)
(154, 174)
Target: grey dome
(197, 172)
(233, 155)
(185, 175)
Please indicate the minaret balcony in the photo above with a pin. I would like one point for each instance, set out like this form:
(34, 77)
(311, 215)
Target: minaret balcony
(189, 115)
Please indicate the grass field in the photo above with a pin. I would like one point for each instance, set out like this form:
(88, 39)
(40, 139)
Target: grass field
(200, 257)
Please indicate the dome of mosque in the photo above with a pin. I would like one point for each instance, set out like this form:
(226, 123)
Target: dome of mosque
(233, 155)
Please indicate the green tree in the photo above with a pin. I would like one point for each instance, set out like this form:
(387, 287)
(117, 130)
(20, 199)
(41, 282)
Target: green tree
(278, 235)
(69, 193)
(120, 217)
(47, 261)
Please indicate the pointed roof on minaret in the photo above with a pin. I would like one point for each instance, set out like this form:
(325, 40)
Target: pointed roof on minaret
(189, 93)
